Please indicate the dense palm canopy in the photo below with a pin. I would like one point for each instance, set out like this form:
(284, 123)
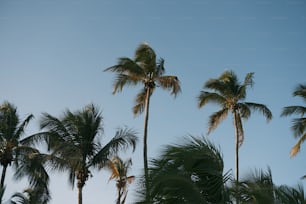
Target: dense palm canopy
(230, 94)
(74, 141)
(119, 172)
(298, 124)
(27, 161)
(258, 188)
(146, 70)
(190, 172)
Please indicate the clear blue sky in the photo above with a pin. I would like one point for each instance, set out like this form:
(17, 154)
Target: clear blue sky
(52, 56)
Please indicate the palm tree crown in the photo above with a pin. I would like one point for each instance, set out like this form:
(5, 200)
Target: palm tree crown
(143, 69)
(75, 143)
(119, 170)
(298, 124)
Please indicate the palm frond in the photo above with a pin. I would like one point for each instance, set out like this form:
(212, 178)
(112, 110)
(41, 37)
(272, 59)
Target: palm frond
(125, 79)
(160, 69)
(170, 83)
(290, 110)
(296, 148)
(140, 101)
(20, 130)
(216, 85)
(244, 110)
(123, 139)
(206, 97)
(248, 81)
(300, 90)
(263, 109)
(298, 126)
(216, 118)
(146, 58)
(127, 66)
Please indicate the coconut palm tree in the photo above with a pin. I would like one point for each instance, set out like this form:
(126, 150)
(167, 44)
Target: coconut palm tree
(12, 146)
(119, 170)
(74, 141)
(189, 172)
(230, 94)
(144, 69)
(298, 124)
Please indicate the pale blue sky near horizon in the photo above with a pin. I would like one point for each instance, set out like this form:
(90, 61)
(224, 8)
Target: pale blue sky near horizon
(53, 53)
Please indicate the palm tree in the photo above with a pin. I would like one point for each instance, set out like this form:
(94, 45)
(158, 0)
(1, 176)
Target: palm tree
(230, 94)
(258, 187)
(291, 195)
(146, 70)
(299, 124)
(75, 143)
(12, 147)
(119, 170)
(189, 172)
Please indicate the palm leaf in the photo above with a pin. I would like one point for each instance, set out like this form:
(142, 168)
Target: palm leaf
(146, 58)
(296, 148)
(300, 90)
(140, 102)
(298, 126)
(216, 118)
(123, 139)
(290, 110)
(206, 97)
(170, 83)
(261, 108)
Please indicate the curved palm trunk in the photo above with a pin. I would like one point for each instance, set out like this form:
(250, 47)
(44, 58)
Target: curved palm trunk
(3, 175)
(145, 136)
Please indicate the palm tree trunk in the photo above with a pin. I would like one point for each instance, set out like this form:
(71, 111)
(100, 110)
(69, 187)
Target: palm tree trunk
(237, 155)
(145, 136)
(80, 196)
(3, 175)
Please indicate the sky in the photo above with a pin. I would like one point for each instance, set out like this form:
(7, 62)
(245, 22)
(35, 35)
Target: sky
(53, 53)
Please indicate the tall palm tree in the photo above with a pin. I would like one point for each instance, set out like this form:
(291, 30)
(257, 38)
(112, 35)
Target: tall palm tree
(189, 172)
(75, 143)
(146, 70)
(119, 170)
(299, 124)
(12, 147)
(230, 94)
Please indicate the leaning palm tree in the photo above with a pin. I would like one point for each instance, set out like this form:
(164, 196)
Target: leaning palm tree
(189, 172)
(119, 170)
(74, 141)
(146, 70)
(299, 124)
(230, 94)
(13, 150)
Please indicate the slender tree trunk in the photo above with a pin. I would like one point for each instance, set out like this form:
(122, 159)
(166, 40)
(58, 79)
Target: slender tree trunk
(237, 155)
(80, 194)
(145, 136)
(119, 196)
(3, 175)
